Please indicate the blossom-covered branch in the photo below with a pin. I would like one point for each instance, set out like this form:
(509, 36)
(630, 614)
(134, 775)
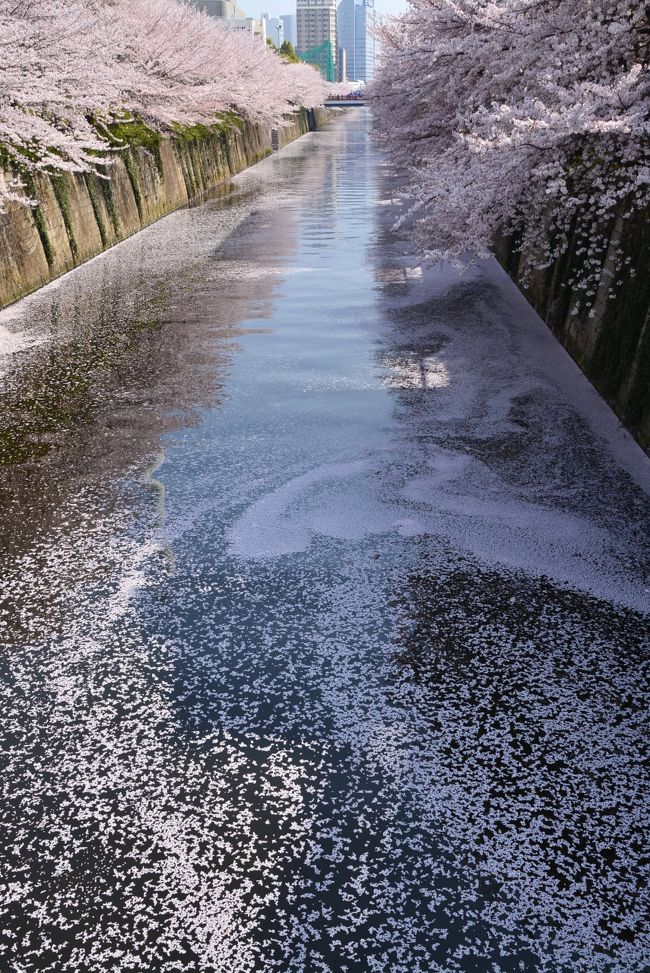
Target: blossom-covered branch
(528, 117)
(68, 67)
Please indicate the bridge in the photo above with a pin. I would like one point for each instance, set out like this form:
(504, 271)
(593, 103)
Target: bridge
(346, 103)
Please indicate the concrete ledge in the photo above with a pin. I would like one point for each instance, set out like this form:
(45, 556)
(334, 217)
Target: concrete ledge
(612, 346)
(80, 214)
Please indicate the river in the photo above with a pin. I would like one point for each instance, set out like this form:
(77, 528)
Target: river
(325, 605)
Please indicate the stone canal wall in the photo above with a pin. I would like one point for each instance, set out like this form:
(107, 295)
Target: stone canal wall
(81, 214)
(613, 346)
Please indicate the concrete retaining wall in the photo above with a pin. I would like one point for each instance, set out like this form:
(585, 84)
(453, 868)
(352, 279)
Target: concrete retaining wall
(79, 215)
(612, 347)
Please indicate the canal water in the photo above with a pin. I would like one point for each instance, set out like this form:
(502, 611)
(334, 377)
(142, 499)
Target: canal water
(325, 606)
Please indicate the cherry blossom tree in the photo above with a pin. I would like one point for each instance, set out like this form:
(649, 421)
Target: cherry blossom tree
(189, 67)
(57, 69)
(524, 117)
(67, 68)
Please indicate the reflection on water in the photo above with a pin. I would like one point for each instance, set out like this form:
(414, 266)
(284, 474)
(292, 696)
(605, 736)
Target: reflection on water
(324, 606)
(128, 348)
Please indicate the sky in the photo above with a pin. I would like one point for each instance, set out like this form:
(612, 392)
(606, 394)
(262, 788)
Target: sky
(277, 7)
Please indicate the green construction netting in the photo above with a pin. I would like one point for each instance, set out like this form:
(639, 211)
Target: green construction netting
(322, 57)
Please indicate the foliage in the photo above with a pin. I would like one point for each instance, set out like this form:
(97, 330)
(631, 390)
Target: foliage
(529, 117)
(80, 77)
(132, 131)
(288, 53)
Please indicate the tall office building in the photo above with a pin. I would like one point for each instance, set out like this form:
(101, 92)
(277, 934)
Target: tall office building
(316, 26)
(289, 22)
(342, 74)
(232, 17)
(355, 29)
(274, 28)
(221, 9)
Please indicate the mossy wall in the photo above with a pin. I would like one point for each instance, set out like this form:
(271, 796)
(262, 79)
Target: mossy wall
(80, 214)
(612, 347)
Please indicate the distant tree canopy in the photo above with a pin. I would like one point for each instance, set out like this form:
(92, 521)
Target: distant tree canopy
(288, 53)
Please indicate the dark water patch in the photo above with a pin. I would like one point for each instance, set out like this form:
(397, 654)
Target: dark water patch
(536, 698)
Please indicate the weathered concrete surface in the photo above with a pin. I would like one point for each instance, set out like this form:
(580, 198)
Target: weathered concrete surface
(613, 347)
(79, 215)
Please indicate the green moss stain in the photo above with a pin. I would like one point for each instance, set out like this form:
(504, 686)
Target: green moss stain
(61, 189)
(194, 154)
(8, 163)
(91, 186)
(39, 221)
(134, 133)
(157, 154)
(194, 133)
(204, 152)
(109, 199)
(133, 179)
(46, 243)
(185, 166)
(190, 133)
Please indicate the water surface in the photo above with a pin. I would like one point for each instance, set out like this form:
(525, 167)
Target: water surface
(324, 606)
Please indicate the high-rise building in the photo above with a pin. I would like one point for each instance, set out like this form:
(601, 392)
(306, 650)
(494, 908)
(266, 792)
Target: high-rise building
(274, 29)
(290, 34)
(316, 28)
(248, 25)
(221, 9)
(232, 16)
(356, 36)
(342, 65)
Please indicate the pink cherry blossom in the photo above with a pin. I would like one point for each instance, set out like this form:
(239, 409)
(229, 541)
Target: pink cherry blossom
(525, 116)
(67, 65)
